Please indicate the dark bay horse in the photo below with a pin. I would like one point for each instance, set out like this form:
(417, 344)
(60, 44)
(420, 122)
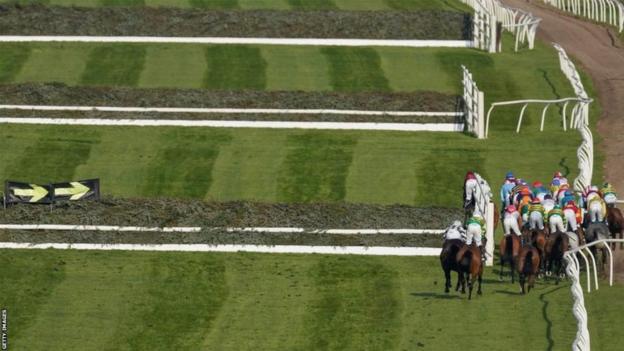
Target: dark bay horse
(594, 232)
(509, 248)
(470, 266)
(448, 260)
(528, 266)
(556, 246)
(616, 223)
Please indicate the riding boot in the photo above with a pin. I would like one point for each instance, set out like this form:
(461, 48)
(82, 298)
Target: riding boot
(482, 251)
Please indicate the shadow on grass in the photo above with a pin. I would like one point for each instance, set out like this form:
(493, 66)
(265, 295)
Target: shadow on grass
(545, 303)
(439, 296)
(505, 292)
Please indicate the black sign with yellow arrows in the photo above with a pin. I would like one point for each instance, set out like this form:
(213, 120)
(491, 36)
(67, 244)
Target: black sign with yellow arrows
(81, 190)
(18, 192)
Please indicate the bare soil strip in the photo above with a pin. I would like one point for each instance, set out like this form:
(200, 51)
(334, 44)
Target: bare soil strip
(145, 21)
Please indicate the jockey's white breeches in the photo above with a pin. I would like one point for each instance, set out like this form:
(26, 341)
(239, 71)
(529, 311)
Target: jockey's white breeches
(510, 224)
(610, 199)
(555, 223)
(473, 232)
(536, 220)
(595, 212)
(570, 217)
(471, 188)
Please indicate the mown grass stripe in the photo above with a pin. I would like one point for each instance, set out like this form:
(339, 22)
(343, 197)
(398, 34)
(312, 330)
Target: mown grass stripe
(214, 4)
(355, 69)
(367, 5)
(264, 4)
(316, 167)
(295, 68)
(235, 67)
(356, 305)
(12, 59)
(40, 66)
(178, 66)
(248, 165)
(424, 67)
(122, 2)
(114, 65)
(183, 168)
(169, 3)
(313, 4)
(53, 157)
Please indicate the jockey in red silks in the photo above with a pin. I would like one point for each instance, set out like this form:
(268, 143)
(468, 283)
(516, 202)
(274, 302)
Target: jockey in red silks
(572, 215)
(470, 187)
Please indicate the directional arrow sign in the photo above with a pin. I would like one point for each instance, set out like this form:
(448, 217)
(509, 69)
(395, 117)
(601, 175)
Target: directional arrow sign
(75, 192)
(16, 192)
(36, 192)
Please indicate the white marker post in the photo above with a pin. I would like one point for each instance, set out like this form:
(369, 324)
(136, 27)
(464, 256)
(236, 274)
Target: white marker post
(489, 234)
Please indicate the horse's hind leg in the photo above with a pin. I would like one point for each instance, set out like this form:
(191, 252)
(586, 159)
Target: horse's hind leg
(447, 278)
(502, 267)
(522, 281)
(470, 285)
(459, 281)
(479, 291)
(513, 270)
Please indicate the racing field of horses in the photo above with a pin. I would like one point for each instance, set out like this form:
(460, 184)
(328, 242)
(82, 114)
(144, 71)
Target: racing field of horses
(311, 175)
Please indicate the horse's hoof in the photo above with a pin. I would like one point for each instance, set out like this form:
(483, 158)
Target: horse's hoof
(500, 279)
(479, 292)
(540, 276)
(548, 273)
(446, 291)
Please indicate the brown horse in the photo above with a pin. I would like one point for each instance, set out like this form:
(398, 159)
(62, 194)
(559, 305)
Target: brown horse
(509, 248)
(528, 266)
(538, 240)
(449, 263)
(556, 246)
(616, 224)
(470, 267)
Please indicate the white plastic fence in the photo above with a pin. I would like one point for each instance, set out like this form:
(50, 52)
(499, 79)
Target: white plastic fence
(606, 11)
(523, 25)
(474, 105)
(579, 117)
(573, 269)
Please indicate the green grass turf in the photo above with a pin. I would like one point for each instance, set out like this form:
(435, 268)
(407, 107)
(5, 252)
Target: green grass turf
(179, 66)
(411, 168)
(114, 65)
(69, 300)
(12, 60)
(235, 67)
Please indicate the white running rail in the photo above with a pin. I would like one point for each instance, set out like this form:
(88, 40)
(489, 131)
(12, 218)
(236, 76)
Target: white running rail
(474, 105)
(523, 25)
(605, 11)
(579, 118)
(573, 268)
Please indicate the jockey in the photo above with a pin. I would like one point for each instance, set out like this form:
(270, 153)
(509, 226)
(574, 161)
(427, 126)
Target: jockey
(567, 197)
(475, 230)
(512, 220)
(470, 187)
(556, 220)
(524, 197)
(554, 187)
(591, 194)
(597, 209)
(505, 192)
(608, 194)
(561, 193)
(455, 231)
(572, 215)
(558, 176)
(536, 215)
(539, 191)
(548, 203)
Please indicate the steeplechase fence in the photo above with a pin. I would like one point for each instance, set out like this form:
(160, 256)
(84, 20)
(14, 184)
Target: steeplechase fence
(474, 105)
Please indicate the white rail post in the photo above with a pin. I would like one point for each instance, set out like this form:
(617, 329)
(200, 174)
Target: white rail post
(582, 342)
(489, 246)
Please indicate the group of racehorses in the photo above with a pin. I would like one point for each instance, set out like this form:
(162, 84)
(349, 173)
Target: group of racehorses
(535, 253)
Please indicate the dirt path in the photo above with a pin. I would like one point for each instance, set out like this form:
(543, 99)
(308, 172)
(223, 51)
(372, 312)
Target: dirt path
(602, 56)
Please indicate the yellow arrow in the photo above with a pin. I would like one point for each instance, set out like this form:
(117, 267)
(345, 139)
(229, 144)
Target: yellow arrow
(36, 193)
(77, 191)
